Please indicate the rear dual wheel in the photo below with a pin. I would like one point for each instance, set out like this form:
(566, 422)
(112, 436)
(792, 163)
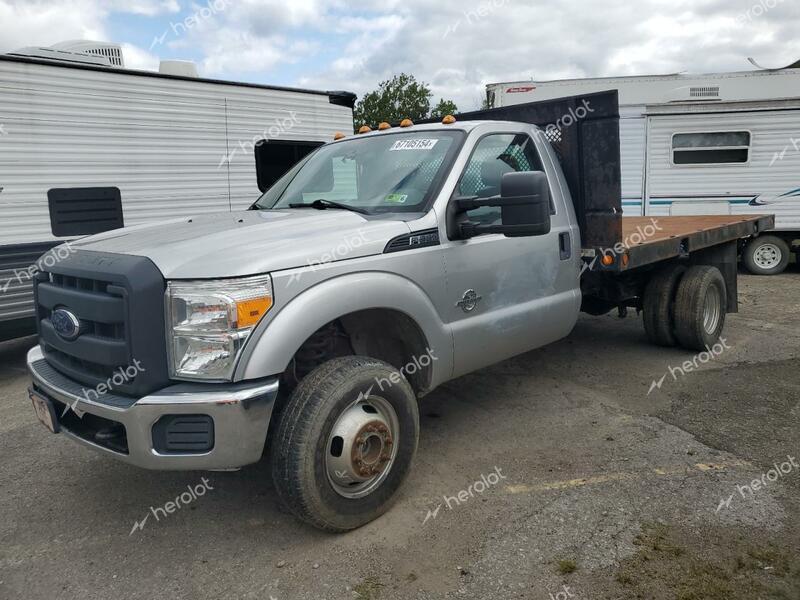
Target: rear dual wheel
(685, 306)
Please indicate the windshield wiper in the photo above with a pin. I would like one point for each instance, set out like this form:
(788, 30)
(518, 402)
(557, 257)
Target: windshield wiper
(321, 204)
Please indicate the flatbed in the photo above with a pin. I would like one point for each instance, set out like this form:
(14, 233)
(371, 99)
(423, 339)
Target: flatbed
(676, 237)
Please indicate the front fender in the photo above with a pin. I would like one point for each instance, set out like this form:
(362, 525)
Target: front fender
(274, 342)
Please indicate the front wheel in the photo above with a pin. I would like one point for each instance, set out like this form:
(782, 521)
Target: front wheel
(345, 443)
(766, 255)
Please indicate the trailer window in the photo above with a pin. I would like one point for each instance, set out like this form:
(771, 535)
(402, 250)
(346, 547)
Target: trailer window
(713, 148)
(275, 157)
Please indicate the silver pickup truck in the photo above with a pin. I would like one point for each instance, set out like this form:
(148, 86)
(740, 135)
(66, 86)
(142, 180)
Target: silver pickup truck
(379, 267)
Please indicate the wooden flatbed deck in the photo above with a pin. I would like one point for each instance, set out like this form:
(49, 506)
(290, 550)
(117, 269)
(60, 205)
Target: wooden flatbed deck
(677, 227)
(678, 236)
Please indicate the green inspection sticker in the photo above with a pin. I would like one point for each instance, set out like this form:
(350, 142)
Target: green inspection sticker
(397, 198)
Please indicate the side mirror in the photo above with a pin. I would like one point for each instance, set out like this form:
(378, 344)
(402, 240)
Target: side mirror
(525, 204)
(524, 201)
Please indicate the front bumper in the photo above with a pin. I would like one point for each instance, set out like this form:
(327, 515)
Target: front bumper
(240, 414)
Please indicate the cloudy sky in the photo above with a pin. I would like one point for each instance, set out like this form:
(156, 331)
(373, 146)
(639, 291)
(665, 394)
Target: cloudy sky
(457, 46)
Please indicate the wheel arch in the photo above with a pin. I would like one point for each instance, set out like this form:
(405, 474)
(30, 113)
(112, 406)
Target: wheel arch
(347, 298)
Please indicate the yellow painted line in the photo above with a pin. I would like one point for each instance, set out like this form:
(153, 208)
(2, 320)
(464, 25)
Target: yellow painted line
(523, 488)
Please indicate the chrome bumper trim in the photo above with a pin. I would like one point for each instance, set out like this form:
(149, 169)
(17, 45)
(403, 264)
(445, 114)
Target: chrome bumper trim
(241, 414)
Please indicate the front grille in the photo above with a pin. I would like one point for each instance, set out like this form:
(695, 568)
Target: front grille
(118, 301)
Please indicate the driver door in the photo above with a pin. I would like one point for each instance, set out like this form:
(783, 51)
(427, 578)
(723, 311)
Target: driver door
(508, 295)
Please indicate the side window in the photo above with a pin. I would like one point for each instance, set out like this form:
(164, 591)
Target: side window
(716, 148)
(494, 156)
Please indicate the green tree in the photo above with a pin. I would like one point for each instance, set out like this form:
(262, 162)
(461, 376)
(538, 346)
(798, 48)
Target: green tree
(444, 108)
(396, 99)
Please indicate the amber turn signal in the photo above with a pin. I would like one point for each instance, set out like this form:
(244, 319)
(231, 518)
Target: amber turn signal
(607, 260)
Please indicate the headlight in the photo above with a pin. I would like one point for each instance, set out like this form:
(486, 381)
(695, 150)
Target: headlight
(208, 323)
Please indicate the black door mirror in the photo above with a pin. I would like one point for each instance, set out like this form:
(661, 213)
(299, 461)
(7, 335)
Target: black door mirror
(524, 203)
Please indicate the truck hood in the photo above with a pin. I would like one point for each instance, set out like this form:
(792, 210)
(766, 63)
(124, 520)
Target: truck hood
(249, 242)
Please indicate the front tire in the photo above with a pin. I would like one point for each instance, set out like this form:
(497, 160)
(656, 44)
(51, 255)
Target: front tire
(345, 443)
(766, 255)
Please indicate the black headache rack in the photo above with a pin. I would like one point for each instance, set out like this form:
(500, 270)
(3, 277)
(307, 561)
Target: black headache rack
(584, 131)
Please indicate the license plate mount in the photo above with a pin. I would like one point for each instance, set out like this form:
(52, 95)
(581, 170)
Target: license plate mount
(45, 411)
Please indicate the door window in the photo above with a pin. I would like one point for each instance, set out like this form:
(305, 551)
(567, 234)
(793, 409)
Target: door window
(494, 156)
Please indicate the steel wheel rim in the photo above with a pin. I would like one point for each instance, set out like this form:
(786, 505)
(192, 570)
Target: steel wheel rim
(360, 460)
(768, 256)
(712, 310)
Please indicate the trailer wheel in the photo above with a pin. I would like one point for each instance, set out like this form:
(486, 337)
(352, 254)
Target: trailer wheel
(659, 303)
(700, 308)
(766, 255)
(344, 445)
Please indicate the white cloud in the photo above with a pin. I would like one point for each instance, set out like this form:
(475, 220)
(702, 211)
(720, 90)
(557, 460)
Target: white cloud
(148, 8)
(24, 23)
(136, 58)
(457, 46)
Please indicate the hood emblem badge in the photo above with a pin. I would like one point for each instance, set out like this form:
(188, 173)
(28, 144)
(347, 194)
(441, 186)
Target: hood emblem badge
(469, 301)
(66, 325)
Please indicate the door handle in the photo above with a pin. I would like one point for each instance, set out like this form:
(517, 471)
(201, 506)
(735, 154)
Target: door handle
(564, 246)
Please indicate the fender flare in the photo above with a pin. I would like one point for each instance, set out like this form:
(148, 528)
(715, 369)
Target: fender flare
(275, 341)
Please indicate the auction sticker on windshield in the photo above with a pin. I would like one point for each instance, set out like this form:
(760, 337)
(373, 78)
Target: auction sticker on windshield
(413, 145)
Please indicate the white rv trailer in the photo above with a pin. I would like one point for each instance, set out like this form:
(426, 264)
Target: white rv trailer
(87, 146)
(726, 143)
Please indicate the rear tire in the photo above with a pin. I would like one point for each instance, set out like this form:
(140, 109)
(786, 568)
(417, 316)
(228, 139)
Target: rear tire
(344, 445)
(766, 255)
(659, 305)
(701, 305)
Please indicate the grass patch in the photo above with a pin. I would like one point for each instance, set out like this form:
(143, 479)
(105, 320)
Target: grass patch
(566, 566)
(672, 565)
(369, 589)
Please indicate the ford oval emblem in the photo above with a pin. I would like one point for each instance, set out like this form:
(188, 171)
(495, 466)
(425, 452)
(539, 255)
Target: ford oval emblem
(65, 324)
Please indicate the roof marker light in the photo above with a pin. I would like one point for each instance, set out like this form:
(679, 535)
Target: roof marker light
(448, 120)
(406, 123)
(383, 126)
(338, 136)
(365, 129)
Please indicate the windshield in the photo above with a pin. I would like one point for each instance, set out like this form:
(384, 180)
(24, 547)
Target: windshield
(385, 173)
